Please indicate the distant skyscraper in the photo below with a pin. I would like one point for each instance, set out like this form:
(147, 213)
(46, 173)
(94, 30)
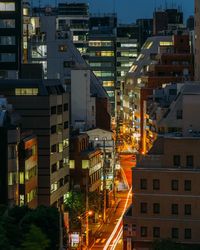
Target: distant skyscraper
(197, 40)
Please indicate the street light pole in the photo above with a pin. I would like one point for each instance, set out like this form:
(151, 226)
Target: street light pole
(104, 182)
(87, 211)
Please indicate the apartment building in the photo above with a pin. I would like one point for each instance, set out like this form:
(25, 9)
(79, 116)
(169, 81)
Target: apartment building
(172, 62)
(85, 164)
(19, 160)
(43, 106)
(166, 196)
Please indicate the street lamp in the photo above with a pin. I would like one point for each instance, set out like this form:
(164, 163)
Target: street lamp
(81, 217)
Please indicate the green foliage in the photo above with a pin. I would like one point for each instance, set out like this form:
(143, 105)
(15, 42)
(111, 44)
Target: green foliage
(95, 200)
(17, 221)
(35, 239)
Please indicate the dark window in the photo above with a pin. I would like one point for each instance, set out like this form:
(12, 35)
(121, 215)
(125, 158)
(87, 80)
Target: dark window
(143, 231)
(54, 148)
(188, 185)
(66, 125)
(189, 161)
(65, 106)
(143, 207)
(59, 109)
(156, 232)
(53, 110)
(175, 233)
(176, 160)
(174, 185)
(143, 184)
(179, 114)
(156, 184)
(175, 209)
(53, 129)
(188, 209)
(156, 208)
(188, 233)
(53, 168)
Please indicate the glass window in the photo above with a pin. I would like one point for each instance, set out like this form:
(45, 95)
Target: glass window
(11, 178)
(143, 207)
(21, 178)
(188, 233)
(188, 209)
(156, 208)
(108, 83)
(175, 233)
(156, 184)
(143, 184)
(7, 57)
(176, 160)
(85, 164)
(72, 164)
(7, 23)
(187, 185)
(26, 91)
(174, 185)
(174, 209)
(66, 125)
(143, 231)
(12, 152)
(7, 40)
(189, 161)
(156, 232)
(7, 6)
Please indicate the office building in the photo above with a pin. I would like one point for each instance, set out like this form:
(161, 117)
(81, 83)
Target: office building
(102, 52)
(11, 37)
(165, 21)
(197, 40)
(43, 107)
(19, 161)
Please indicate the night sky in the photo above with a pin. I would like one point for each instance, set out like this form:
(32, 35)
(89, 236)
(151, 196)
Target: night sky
(129, 10)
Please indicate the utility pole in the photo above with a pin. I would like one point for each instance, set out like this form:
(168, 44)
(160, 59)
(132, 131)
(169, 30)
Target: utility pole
(104, 181)
(87, 212)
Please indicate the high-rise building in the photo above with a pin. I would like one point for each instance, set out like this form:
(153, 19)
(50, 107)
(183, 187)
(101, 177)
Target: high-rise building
(43, 107)
(145, 26)
(102, 52)
(197, 40)
(167, 20)
(11, 38)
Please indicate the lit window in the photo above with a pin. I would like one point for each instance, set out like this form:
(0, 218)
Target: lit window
(7, 6)
(108, 83)
(100, 43)
(54, 186)
(26, 91)
(85, 164)
(25, 11)
(133, 68)
(72, 164)
(62, 48)
(147, 45)
(165, 43)
(21, 178)
(111, 93)
(21, 200)
(31, 195)
(11, 178)
(128, 45)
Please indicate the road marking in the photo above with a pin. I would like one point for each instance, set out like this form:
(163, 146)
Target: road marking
(103, 241)
(97, 241)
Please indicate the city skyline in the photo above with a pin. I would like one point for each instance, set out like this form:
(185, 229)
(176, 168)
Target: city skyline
(124, 7)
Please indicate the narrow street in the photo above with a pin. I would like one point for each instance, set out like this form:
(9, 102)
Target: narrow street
(109, 236)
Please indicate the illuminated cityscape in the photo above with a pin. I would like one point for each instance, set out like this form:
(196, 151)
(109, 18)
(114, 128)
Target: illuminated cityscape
(99, 125)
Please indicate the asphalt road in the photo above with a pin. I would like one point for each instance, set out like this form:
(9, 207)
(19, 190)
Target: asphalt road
(110, 234)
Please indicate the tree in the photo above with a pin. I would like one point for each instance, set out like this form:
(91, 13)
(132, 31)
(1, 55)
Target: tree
(35, 239)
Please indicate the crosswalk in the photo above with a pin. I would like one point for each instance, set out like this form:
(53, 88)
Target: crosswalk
(100, 241)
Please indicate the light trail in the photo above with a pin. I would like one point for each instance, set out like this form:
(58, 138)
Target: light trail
(118, 223)
(117, 239)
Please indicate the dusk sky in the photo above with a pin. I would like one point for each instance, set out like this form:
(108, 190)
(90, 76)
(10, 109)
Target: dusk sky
(129, 10)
